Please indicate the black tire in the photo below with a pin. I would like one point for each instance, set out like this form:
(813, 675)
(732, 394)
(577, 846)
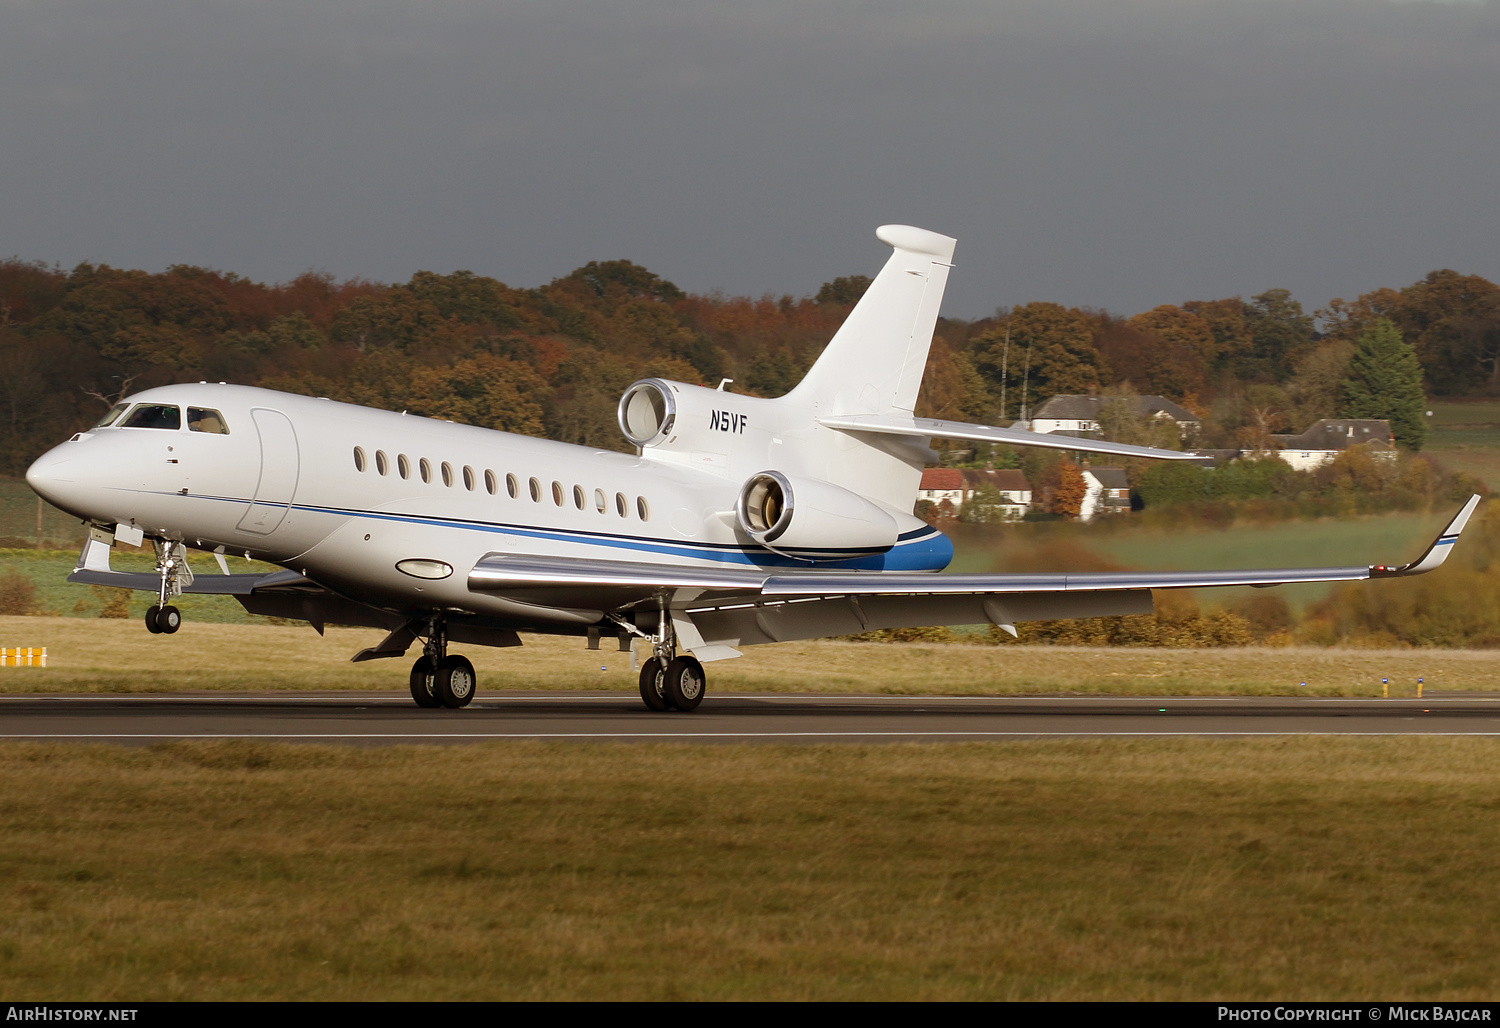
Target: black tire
(653, 679)
(151, 625)
(685, 684)
(168, 619)
(454, 683)
(422, 684)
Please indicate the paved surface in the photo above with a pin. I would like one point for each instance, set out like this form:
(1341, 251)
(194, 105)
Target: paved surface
(386, 718)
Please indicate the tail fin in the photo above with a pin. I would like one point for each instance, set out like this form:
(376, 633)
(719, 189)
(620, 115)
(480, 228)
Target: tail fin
(874, 363)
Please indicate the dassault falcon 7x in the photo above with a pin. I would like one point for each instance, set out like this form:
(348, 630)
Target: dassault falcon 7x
(739, 520)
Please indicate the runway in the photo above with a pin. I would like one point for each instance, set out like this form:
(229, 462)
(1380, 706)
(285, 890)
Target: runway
(388, 718)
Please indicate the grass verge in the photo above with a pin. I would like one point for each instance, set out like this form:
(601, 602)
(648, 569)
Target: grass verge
(1299, 868)
(106, 655)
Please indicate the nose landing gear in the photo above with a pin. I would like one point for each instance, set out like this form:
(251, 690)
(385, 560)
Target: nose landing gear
(172, 566)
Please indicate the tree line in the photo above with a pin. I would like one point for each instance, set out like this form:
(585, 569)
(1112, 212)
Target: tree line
(554, 360)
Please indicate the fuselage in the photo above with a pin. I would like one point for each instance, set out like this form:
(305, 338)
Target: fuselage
(345, 494)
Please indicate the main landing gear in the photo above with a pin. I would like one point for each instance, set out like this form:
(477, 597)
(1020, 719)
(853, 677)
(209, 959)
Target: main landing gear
(669, 681)
(172, 566)
(438, 679)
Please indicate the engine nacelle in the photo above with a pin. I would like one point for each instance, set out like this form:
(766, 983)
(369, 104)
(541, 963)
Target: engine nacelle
(811, 520)
(655, 411)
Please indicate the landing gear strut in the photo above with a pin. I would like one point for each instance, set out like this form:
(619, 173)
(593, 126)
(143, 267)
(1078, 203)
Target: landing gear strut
(172, 566)
(438, 679)
(669, 681)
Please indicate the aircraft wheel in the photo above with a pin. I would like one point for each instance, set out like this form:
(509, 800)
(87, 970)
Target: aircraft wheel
(685, 683)
(168, 619)
(422, 683)
(151, 625)
(653, 684)
(454, 682)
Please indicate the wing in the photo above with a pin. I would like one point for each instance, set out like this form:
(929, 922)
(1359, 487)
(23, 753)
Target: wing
(716, 609)
(94, 569)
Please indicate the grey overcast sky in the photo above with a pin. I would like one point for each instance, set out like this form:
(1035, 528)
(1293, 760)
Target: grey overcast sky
(1107, 153)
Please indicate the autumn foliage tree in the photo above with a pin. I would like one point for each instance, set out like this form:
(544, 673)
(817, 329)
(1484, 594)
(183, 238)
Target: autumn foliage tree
(1068, 489)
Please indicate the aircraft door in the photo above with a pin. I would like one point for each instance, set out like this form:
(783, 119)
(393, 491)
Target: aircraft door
(279, 468)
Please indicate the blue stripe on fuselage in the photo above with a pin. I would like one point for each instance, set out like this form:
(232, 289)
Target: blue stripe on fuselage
(921, 549)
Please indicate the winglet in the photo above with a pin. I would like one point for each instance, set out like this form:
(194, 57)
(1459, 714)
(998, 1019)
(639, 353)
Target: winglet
(1437, 552)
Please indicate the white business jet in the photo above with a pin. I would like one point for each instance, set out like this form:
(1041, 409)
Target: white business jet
(739, 521)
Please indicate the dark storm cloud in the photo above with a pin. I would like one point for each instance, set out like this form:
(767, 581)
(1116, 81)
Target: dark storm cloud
(1118, 153)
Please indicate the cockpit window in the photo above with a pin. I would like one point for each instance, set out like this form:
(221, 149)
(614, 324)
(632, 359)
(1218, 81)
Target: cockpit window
(113, 415)
(154, 415)
(203, 419)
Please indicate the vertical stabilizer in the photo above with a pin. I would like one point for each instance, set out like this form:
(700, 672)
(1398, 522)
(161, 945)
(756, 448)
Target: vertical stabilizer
(875, 361)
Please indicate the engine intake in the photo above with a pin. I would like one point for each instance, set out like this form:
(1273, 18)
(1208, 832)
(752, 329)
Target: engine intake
(647, 412)
(811, 520)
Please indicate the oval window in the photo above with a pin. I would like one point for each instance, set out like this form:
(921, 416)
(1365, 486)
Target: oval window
(359, 458)
(557, 493)
(642, 509)
(447, 473)
(536, 491)
(490, 485)
(403, 466)
(381, 464)
(620, 503)
(425, 468)
(512, 486)
(468, 478)
(600, 502)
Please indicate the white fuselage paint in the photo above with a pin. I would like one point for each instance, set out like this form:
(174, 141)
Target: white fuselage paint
(282, 486)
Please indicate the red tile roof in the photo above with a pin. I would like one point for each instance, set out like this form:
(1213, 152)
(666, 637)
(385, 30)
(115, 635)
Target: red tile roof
(942, 478)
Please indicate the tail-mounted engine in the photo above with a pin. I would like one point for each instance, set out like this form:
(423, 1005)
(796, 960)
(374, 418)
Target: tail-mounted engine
(665, 416)
(811, 520)
(648, 411)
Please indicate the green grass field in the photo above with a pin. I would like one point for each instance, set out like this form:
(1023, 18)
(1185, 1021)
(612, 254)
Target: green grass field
(1465, 436)
(1293, 868)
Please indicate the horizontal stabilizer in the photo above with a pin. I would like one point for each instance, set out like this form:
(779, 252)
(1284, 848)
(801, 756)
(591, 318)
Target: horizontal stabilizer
(931, 428)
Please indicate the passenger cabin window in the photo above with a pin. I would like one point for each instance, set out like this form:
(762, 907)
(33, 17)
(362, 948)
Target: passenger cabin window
(359, 458)
(536, 490)
(202, 419)
(642, 509)
(381, 465)
(113, 415)
(620, 503)
(557, 493)
(425, 468)
(512, 486)
(578, 496)
(490, 485)
(447, 473)
(154, 415)
(600, 503)
(469, 478)
(403, 466)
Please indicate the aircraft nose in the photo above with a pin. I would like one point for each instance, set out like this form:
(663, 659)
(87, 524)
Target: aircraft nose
(48, 472)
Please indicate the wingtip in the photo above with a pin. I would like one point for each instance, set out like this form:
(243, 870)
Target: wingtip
(1436, 553)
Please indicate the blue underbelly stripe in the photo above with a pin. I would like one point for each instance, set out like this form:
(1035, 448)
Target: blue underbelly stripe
(920, 549)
